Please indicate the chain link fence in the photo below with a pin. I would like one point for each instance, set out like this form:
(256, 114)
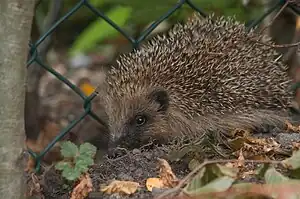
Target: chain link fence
(34, 56)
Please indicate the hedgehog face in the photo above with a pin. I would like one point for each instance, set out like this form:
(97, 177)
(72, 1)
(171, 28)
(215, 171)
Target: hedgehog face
(139, 118)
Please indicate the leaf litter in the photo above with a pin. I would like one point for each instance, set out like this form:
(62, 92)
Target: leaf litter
(255, 170)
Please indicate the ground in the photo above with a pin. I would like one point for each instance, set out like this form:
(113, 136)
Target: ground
(140, 164)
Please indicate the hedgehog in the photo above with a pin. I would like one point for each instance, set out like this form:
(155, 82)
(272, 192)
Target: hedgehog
(208, 74)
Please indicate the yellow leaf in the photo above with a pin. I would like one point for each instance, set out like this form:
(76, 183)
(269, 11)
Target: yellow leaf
(166, 174)
(121, 187)
(154, 182)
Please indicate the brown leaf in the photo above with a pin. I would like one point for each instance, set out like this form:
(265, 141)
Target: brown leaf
(296, 146)
(82, 189)
(240, 133)
(241, 159)
(259, 147)
(237, 143)
(48, 133)
(121, 187)
(166, 174)
(291, 127)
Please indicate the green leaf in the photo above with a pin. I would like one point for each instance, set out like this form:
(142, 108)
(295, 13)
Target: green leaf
(62, 165)
(71, 174)
(273, 177)
(196, 182)
(87, 149)
(262, 170)
(69, 149)
(210, 174)
(217, 185)
(221, 170)
(292, 162)
(96, 3)
(83, 163)
(100, 30)
(295, 173)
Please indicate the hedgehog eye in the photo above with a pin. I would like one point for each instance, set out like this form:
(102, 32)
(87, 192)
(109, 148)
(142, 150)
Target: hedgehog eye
(140, 120)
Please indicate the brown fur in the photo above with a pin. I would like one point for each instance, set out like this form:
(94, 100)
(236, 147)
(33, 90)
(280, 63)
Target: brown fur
(203, 76)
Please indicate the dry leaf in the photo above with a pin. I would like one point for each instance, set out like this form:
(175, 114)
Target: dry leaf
(49, 131)
(154, 182)
(241, 159)
(166, 174)
(291, 127)
(82, 190)
(34, 187)
(258, 148)
(296, 146)
(246, 174)
(240, 133)
(121, 187)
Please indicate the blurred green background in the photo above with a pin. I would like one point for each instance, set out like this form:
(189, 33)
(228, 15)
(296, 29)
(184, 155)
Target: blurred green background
(84, 32)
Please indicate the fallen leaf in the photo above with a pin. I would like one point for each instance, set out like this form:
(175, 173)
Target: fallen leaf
(240, 132)
(121, 187)
(292, 162)
(272, 176)
(167, 176)
(34, 187)
(224, 170)
(237, 143)
(82, 189)
(296, 146)
(258, 147)
(49, 130)
(241, 159)
(154, 182)
(247, 174)
(217, 185)
(291, 127)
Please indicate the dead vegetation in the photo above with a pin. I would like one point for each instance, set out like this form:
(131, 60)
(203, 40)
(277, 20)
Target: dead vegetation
(258, 165)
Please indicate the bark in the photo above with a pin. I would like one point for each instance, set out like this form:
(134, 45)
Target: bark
(15, 26)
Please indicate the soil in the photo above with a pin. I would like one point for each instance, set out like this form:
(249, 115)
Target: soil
(138, 165)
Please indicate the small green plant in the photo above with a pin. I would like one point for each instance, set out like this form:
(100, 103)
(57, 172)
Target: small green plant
(76, 159)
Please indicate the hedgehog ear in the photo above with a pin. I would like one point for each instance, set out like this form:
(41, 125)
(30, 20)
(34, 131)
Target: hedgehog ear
(161, 97)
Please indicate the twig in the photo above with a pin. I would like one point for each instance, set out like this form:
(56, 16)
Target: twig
(199, 167)
(275, 17)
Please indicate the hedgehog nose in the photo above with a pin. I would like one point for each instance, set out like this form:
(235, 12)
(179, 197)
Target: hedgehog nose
(112, 144)
(111, 148)
(113, 139)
